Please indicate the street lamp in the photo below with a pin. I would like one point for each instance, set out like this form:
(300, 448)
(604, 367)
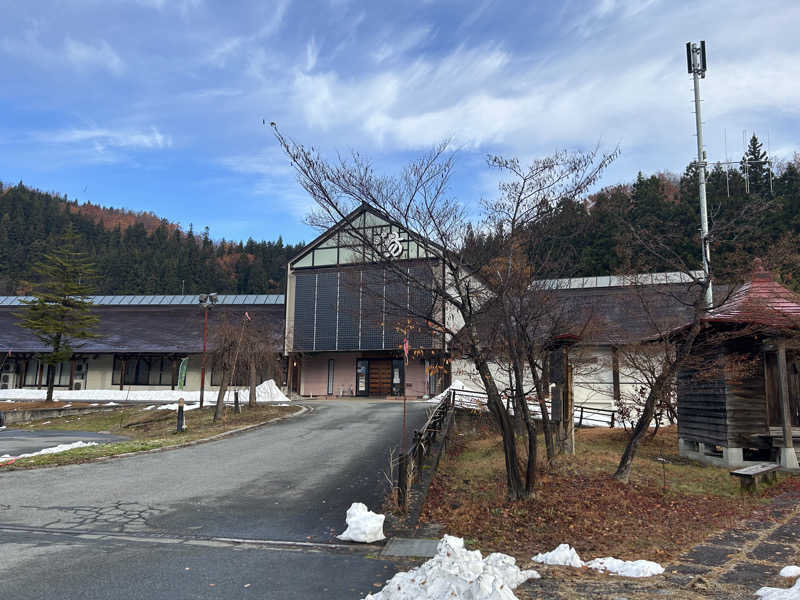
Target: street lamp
(206, 301)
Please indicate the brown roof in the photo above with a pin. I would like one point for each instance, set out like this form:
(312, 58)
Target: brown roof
(761, 301)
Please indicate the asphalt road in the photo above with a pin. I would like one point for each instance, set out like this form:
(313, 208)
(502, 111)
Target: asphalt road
(18, 441)
(130, 528)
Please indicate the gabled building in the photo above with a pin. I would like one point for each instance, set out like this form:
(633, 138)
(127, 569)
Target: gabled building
(140, 342)
(358, 316)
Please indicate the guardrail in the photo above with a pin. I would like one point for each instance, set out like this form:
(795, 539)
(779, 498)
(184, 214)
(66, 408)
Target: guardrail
(437, 425)
(585, 415)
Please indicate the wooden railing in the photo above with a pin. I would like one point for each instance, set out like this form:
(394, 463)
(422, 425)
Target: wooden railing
(436, 426)
(585, 415)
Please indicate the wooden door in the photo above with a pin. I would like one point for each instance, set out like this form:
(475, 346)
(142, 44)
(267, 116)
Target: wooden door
(772, 389)
(380, 377)
(793, 372)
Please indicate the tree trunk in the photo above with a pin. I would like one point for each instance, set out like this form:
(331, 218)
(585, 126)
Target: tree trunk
(540, 396)
(623, 472)
(220, 408)
(253, 383)
(51, 380)
(514, 485)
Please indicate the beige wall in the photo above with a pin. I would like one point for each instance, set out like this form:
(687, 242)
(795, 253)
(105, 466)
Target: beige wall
(99, 376)
(314, 375)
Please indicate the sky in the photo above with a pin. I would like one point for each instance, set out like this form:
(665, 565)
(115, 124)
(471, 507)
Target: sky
(158, 105)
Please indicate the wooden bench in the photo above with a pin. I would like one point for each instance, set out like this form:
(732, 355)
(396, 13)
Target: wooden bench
(752, 475)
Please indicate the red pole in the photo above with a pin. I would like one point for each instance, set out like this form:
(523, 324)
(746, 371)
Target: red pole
(203, 365)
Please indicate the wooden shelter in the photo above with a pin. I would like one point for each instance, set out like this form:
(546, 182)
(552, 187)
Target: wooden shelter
(740, 402)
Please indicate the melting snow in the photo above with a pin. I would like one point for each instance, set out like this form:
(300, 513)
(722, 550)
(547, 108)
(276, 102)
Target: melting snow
(790, 571)
(626, 568)
(54, 449)
(566, 555)
(457, 573)
(363, 525)
(769, 593)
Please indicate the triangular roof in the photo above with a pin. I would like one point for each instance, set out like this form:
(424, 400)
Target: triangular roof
(760, 301)
(351, 220)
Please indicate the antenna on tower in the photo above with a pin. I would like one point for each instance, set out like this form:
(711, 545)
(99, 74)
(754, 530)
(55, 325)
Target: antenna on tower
(696, 64)
(727, 163)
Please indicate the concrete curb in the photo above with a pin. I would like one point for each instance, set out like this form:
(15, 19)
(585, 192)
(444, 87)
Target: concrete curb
(303, 410)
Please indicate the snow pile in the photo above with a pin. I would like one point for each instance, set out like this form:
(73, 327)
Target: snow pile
(769, 593)
(626, 568)
(53, 449)
(457, 573)
(792, 571)
(175, 407)
(268, 391)
(566, 555)
(362, 525)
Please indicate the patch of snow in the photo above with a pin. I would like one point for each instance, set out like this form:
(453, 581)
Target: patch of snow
(564, 555)
(770, 593)
(266, 392)
(151, 407)
(47, 423)
(626, 568)
(567, 556)
(175, 407)
(94, 404)
(67, 405)
(456, 572)
(58, 449)
(363, 525)
(790, 571)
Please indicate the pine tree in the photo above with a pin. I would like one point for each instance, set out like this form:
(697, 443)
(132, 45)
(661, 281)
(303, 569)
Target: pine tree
(754, 165)
(59, 314)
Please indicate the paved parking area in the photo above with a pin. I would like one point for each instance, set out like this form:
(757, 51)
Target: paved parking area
(19, 441)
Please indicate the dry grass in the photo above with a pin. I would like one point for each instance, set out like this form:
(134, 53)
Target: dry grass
(670, 503)
(147, 429)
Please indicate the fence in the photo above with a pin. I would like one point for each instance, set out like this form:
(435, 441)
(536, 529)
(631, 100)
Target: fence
(585, 415)
(424, 439)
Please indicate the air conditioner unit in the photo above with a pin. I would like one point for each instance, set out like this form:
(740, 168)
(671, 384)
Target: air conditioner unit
(8, 367)
(5, 378)
(78, 385)
(4, 386)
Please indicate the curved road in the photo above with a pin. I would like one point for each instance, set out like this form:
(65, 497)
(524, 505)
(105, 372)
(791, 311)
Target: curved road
(157, 525)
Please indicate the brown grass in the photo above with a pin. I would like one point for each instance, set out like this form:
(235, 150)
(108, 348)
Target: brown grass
(671, 503)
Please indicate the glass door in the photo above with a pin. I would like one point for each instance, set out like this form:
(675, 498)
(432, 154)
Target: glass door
(398, 377)
(362, 377)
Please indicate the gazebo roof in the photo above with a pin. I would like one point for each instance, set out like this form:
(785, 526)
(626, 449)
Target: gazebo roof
(761, 301)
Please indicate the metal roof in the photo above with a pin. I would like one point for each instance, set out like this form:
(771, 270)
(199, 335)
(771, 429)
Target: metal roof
(222, 299)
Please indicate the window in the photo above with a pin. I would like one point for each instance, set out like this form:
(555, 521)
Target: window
(143, 370)
(32, 374)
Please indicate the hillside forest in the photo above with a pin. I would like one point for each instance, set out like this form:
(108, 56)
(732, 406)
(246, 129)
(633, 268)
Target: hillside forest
(139, 253)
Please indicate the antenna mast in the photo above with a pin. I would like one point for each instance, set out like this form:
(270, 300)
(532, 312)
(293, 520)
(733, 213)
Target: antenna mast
(696, 64)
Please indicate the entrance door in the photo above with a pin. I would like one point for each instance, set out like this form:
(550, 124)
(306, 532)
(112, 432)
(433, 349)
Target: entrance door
(380, 377)
(398, 377)
(362, 377)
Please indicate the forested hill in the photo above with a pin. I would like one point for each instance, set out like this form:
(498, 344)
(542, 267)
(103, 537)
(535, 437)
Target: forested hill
(135, 253)
(138, 253)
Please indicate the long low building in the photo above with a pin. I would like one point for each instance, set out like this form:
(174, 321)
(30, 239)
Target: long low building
(139, 342)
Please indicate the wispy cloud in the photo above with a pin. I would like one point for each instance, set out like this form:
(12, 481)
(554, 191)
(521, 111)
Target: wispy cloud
(101, 138)
(87, 56)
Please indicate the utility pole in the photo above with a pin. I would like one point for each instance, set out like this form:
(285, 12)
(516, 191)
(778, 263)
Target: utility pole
(696, 64)
(206, 301)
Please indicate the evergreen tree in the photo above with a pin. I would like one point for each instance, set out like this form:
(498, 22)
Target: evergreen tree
(59, 314)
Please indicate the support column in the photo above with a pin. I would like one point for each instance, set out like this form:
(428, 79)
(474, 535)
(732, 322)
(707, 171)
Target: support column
(615, 377)
(788, 456)
(71, 373)
(23, 368)
(122, 374)
(174, 373)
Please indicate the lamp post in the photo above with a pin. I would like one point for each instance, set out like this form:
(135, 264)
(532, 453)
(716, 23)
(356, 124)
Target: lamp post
(206, 301)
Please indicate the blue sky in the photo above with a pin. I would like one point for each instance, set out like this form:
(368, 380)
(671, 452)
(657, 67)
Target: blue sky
(158, 104)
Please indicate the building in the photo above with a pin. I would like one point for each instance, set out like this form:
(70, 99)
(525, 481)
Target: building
(356, 322)
(744, 407)
(140, 341)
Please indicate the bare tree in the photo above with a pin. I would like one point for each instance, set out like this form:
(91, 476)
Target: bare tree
(418, 200)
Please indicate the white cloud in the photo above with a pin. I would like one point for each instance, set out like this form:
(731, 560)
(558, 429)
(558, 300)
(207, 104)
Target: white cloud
(86, 56)
(312, 52)
(102, 139)
(402, 43)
